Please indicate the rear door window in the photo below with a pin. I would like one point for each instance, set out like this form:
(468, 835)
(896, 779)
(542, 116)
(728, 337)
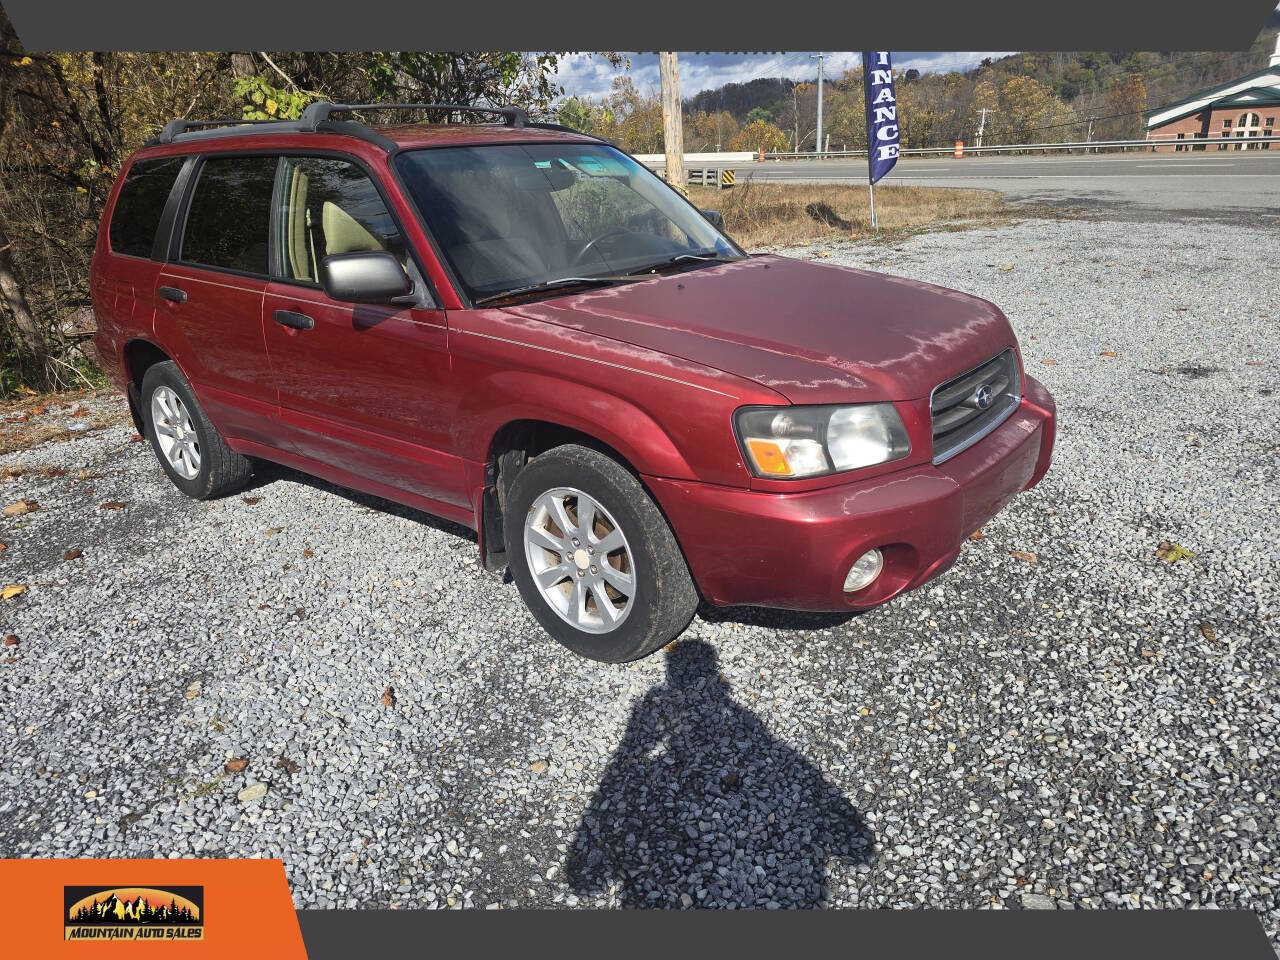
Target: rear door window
(330, 206)
(229, 220)
(140, 205)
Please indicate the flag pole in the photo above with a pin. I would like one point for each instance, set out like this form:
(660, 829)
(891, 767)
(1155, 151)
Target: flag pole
(882, 122)
(871, 173)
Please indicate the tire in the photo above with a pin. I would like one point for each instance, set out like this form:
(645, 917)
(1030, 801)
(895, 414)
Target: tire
(219, 470)
(662, 597)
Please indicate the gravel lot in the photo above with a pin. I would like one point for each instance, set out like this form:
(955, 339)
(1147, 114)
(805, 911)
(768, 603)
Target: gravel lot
(1091, 728)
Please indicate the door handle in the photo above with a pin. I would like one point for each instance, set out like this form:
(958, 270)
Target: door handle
(298, 321)
(173, 294)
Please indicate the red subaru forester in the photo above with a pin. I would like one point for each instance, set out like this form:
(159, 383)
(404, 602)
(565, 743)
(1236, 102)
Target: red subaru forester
(520, 328)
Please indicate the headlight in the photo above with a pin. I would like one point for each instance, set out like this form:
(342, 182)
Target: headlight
(811, 441)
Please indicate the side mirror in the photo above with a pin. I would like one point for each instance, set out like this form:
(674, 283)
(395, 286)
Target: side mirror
(714, 218)
(366, 277)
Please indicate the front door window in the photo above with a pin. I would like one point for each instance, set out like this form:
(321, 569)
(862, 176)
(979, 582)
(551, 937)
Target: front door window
(330, 206)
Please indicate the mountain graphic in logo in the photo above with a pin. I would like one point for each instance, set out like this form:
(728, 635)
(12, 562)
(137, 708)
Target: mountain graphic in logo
(133, 913)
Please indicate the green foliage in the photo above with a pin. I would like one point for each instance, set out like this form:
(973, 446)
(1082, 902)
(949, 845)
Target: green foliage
(527, 79)
(578, 114)
(266, 101)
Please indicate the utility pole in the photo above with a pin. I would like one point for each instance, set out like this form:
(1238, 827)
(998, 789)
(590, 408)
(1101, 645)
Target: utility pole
(982, 124)
(795, 116)
(817, 147)
(672, 130)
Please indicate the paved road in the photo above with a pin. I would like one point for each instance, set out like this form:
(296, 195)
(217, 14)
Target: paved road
(1209, 182)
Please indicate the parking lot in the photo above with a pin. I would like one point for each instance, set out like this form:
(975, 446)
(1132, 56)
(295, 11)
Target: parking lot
(1083, 712)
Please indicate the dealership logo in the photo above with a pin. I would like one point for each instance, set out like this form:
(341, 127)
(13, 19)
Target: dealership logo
(133, 913)
(982, 397)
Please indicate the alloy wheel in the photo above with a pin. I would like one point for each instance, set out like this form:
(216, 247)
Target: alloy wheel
(175, 432)
(580, 560)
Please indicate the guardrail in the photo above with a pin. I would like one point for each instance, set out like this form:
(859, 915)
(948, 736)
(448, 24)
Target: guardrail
(1188, 144)
(696, 159)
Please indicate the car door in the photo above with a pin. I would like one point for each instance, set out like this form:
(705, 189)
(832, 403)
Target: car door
(209, 297)
(364, 388)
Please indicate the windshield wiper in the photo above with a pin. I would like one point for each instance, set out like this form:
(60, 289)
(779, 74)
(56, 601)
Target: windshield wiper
(552, 285)
(679, 258)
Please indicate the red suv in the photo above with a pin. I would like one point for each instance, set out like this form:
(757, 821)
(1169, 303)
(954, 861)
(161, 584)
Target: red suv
(520, 328)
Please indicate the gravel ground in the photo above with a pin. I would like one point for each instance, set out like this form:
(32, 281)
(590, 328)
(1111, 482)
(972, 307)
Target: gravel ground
(1089, 728)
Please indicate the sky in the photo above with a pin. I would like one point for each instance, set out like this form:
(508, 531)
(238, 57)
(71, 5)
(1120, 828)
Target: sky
(584, 75)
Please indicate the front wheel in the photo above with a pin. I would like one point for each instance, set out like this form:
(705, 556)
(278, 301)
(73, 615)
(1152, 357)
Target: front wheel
(593, 557)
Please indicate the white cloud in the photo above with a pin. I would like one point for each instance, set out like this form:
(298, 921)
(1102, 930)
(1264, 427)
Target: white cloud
(584, 75)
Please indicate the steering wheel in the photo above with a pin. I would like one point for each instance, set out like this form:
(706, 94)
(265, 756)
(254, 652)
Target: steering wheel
(586, 248)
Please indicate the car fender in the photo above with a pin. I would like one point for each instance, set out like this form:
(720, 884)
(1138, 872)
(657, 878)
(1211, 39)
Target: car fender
(507, 396)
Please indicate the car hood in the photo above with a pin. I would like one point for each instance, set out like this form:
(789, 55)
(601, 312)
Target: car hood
(813, 332)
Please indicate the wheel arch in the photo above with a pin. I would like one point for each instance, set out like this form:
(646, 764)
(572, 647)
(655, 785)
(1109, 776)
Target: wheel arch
(138, 356)
(507, 397)
(509, 448)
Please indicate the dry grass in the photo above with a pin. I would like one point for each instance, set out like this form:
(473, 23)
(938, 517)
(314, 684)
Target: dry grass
(43, 417)
(760, 215)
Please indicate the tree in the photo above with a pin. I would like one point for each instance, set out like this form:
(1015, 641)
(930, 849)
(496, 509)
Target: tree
(709, 131)
(635, 118)
(798, 114)
(580, 114)
(759, 136)
(984, 94)
(844, 113)
(1028, 112)
(1126, 104)
(68, 121)
(490, 78)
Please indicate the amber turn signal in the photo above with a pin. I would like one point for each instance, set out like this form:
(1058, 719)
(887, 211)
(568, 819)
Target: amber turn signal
(768, 457)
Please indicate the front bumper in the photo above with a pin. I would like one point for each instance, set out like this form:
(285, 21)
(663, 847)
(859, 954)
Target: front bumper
(794, 550)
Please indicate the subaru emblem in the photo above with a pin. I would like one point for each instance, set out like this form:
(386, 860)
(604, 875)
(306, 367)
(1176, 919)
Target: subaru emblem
(982, 397)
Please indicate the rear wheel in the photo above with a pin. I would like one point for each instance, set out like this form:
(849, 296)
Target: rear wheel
(186, 443)
(593, 557)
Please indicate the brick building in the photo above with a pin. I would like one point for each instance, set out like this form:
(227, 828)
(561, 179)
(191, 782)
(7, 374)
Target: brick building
(1246, 109)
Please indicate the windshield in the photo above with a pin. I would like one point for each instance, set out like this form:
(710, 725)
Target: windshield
(524, 215)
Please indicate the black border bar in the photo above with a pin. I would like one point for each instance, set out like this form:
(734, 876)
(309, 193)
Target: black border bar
(654, 24)
(899, 934)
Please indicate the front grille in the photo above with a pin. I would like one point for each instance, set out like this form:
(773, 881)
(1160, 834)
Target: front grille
(968, 407)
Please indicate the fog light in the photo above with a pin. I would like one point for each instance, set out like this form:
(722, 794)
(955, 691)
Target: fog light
(864, 570)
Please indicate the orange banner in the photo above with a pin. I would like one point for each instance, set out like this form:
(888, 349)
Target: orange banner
(116, 908)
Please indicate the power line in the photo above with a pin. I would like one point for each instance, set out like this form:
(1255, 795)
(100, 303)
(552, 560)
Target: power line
(1081, 120)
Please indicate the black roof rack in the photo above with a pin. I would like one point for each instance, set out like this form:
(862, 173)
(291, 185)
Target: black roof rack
(316, 118)
(319, 112)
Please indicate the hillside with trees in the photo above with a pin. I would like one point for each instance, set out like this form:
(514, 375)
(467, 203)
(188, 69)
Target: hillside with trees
(1041, 97)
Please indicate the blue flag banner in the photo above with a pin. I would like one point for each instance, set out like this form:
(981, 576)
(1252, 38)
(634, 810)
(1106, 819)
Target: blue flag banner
(882, 113)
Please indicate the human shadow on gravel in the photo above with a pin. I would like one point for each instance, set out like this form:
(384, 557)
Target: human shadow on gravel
(701, 802)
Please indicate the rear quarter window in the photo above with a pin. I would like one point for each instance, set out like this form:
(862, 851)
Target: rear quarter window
(229, 220)
(140, 205)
